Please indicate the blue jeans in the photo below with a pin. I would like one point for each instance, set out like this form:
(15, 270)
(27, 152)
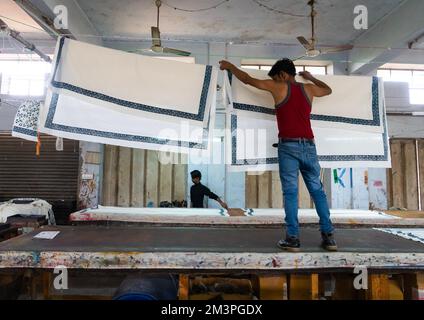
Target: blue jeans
(292, 157)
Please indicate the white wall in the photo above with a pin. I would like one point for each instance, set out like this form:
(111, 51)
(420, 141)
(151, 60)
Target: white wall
(406, 126)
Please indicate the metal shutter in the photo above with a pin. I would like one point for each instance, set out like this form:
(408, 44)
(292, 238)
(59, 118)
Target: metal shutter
(52, 176)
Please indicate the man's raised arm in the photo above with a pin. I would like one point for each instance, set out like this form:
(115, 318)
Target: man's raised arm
(245, 77)
(318, 88)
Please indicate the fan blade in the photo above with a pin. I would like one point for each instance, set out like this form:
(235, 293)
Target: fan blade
(305, 43)
(337, 49)
(177, 52)
(156, 37)
(143, 51)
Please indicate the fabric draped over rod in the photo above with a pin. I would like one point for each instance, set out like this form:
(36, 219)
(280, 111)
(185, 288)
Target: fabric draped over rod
(108, 96)
(103, 95)
(349, 125)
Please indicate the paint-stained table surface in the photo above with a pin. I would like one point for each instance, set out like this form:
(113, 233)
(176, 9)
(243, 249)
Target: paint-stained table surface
(188, 239)
(204, 247)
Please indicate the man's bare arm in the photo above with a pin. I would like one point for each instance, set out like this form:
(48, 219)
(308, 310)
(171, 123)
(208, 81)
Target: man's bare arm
(318, 88)
(245, 77)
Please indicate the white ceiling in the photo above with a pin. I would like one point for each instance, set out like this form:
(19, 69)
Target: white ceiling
(237, 20)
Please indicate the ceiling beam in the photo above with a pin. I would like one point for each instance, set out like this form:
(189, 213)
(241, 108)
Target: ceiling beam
(396, 29)
(40, 17)
(79, 25)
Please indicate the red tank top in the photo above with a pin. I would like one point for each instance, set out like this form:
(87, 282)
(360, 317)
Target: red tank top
(293, 114)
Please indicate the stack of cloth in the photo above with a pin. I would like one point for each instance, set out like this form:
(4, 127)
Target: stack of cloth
(102, 95)
(349, 125)
(26, 207)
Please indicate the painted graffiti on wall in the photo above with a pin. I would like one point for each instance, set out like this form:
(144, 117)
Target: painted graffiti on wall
(87, 197)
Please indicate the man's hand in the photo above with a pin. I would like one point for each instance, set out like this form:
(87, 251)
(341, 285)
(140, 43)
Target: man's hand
(317, 88)
(225, 65)
(244, 77)
(223, 204)
(306, 75)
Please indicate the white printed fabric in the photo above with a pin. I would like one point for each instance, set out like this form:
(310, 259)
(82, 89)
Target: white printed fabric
(347, 214)
(107, 96)
(25, 124)
(353, 104)
(253, 133)
(410, 234)
(35, 207)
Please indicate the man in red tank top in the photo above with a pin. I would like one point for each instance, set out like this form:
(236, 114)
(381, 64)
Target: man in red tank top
(296, 147)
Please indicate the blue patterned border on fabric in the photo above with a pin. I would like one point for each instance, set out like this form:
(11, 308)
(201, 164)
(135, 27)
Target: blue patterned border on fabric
(234, 160)
(118, 136)
(138, 106)
(329, 158)
(28, 132)
(375, 121)
(252, 108)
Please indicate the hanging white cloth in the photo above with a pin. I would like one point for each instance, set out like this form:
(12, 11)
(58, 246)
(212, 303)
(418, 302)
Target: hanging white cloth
(107, 96)
(156, 88)
(253, 133)
(353, 104)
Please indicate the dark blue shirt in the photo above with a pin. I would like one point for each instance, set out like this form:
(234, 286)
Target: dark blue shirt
(197, 194)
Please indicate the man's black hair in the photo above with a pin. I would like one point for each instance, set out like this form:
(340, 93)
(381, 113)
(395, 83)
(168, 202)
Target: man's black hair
(196, 174)
(285, 65)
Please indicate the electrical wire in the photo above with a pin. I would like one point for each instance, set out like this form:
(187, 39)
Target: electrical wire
(260, 4)
(14, 44)
(23, 23)
(195, 10)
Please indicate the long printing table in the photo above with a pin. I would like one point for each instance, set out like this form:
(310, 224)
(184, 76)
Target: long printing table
(107, 241)
(206, 248)
(237, 217)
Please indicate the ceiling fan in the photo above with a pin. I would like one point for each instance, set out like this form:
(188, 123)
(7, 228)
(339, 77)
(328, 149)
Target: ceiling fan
(156, 41)
(311, 50)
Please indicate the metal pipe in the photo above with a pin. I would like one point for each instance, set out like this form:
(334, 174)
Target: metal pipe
(158, 4)
(30, 46)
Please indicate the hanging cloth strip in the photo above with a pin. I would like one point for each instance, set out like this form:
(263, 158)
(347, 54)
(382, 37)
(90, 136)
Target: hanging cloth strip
(155, 88)
(250, 144)
(353, 104)
(107, 96)
(25, 124)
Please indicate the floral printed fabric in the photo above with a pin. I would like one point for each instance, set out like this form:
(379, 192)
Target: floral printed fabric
(25, 125)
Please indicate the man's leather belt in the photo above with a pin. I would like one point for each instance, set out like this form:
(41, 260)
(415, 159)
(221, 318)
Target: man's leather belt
(296, 140)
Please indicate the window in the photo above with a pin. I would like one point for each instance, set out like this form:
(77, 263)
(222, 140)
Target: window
(417, 88)
(317, 70)
(414, 78)
(179, 59)
(23, 78)
(256, 67)
(313, 69)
